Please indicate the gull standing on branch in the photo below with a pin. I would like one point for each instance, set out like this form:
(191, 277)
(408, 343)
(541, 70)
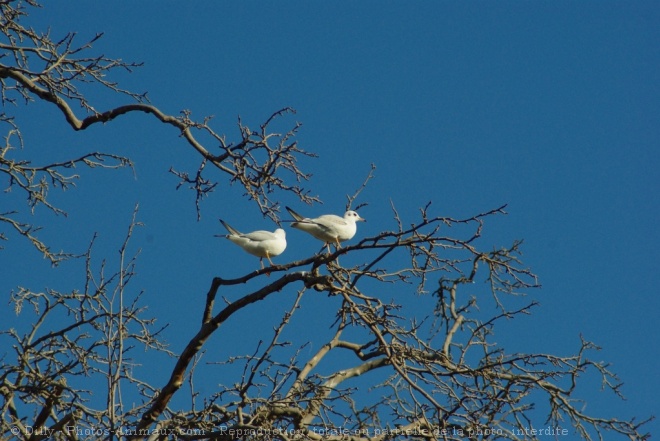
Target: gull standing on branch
(258, 243)
(328, 228)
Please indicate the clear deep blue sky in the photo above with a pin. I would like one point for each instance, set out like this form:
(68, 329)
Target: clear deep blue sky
(549, 107)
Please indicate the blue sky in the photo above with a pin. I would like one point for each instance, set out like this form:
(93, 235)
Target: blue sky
(549, 107)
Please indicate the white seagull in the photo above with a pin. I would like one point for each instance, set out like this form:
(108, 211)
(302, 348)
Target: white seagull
(258, 243)
(328, 228)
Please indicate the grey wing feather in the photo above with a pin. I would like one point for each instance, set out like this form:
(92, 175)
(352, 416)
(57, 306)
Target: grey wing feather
(331, 219)
(295, 215)
(230, 228)
(260, 236)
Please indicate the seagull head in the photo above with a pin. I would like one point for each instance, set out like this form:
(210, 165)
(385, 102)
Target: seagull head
(352, 215)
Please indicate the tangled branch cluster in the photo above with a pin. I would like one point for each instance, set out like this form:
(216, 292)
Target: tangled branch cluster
(444, 376)
(36, 66)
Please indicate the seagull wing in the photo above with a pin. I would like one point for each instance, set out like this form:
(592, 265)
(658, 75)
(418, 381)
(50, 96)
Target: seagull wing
(295, 215)
(229, 228)
(260, 236)
(329, 221)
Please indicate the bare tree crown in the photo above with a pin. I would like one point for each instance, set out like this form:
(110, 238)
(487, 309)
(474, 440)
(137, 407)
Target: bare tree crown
(436, 376)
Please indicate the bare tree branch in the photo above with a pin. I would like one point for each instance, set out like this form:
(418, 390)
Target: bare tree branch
(35, 66)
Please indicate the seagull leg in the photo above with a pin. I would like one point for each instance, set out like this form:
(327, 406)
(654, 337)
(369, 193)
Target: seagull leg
(337, 247)
(271, 263)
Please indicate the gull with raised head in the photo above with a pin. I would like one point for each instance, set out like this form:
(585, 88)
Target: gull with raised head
(258, 243)
(328, 228)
